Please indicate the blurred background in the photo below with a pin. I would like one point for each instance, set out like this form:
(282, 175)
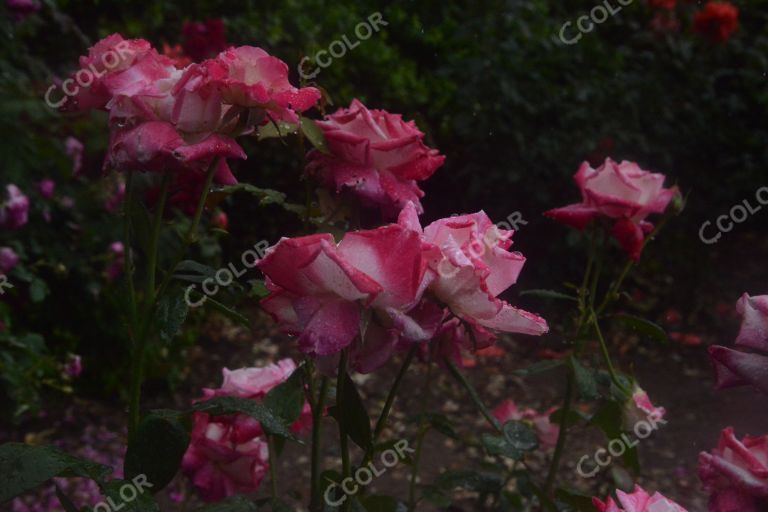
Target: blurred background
(514, 109)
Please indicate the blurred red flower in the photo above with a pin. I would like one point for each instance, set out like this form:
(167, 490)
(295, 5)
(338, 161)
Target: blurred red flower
(717, 21)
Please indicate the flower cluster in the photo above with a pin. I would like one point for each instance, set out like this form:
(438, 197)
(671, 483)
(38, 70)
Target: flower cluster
(229, 455)
(739, 367)
(717, 21)
(376, 156)
(736, 473)
(622, 192)
(165, 119)
(410, 285)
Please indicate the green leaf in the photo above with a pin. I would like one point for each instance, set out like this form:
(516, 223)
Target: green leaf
(171, 313)
(156, 448)
(24, 467)
(232, 405)
(585, 380)
(228, 312)
(287, 400)
(38, 291)
(540, 367)
(610, 419)
(549, 294)
(277, 129)
(643, 327)
(470, 480)
(350, 412)
(258, 289)
(232, 504)
(142, 497)
(442, 424)
(498, 445)
(314, 134)
(520, 436)
(575, 500)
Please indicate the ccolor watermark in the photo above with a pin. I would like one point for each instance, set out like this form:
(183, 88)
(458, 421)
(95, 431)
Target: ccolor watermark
(738, 213)
(352, 485)
(85, 77)
(224, 277)
(128, 492)
(339, 48)
(597, 16)
(617, 447)
(4, 283)
(477, 248)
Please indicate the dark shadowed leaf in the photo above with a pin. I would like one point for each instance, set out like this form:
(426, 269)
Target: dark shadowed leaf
(643, 327)
(231, 405)
(156, 449)
(350, 412)
(286, 401)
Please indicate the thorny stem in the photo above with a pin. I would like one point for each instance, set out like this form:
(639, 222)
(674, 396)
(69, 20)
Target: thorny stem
(473, 395)
(423, 428)
(343, 435)
(317, 418)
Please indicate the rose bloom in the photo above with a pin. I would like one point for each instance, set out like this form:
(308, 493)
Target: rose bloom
(376, 156)
(14, 212)
(20, 9)
(8, 259)
(637, 501)
(717, 21)
(229, 455)
(622, 192)
(750, 366)
(471, 265)
(639, 408)
(319, 290)
(220, 220)
(736, 473)
(546, 431)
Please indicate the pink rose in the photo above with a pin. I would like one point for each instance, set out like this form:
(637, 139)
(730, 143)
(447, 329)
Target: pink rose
(637, 501)
(623, 192)
(8, 259)
(738, 368)
(639, 408)
(318, 291)
(470, 265)
(220, 466)
(250, 77)
(14, 212)
(736, 473)
(376, 156)
(546, 431)
(156, 146)
(220, 220)
(228, 454)
(74, 149)
(20, 9)
(108, 69)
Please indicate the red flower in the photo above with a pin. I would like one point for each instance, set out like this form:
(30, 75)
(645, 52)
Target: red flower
(717, 21)
(202, 40)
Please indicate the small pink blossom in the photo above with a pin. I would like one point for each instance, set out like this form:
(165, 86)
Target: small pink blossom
(546, 431)
(47, 187)
(74, 149)
(375, 155)
(736, 473)
(74, 366)
(639, 408)
(8, 259)
(637, 501)
(14, 212)
(622, 192)
(116, 265)
(202, 40)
